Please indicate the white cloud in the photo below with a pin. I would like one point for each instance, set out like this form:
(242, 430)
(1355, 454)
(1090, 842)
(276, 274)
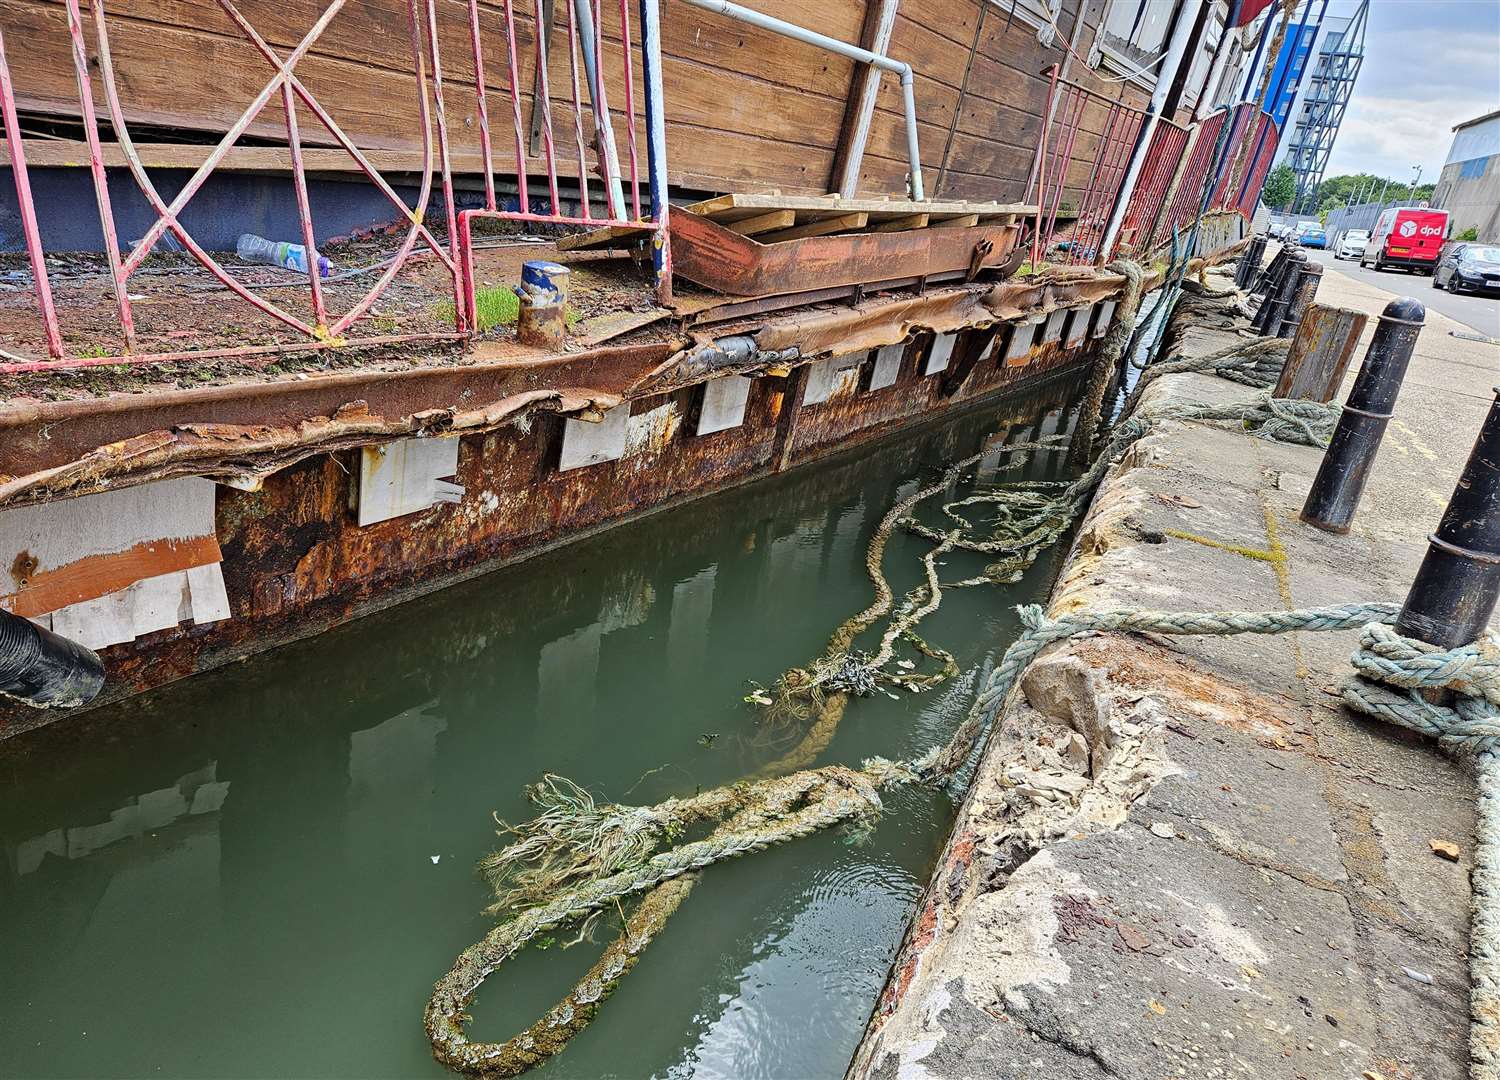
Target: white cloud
(1387, 136)
(1428, 65)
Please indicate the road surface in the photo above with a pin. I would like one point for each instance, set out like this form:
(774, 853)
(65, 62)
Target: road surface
(1480, 313)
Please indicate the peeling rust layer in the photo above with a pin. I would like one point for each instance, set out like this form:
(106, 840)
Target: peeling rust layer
(247, 430)
(736, 265)
(43, 435)
(295, 563)
(294, 560)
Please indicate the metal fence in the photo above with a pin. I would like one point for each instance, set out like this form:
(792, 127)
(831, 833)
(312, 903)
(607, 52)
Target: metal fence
(1083, 155)
(1080, 164)
(1362, 216)
(1234, 144)
(318, 327)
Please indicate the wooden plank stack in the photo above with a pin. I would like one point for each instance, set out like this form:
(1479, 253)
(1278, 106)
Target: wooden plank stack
(772, 219)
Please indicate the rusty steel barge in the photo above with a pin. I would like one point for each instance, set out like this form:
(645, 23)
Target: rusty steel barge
(201, 459)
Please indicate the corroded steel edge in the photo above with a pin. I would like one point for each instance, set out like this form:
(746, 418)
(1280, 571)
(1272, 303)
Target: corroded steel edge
(296, 564)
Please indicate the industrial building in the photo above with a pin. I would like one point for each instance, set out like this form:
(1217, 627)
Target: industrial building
(1317, 95)
(1469, 185)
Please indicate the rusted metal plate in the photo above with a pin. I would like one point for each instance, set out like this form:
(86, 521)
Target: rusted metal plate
(295, 561)
(727, 262)
(199, 425)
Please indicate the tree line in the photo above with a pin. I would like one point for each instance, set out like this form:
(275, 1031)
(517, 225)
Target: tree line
(1339, 191)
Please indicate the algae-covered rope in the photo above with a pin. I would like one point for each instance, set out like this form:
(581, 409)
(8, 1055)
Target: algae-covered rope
(1255, 356)
(772, 812)
(1288, 420)
(781, 810)
(1111, 349)
(578, 857)
(836, 670)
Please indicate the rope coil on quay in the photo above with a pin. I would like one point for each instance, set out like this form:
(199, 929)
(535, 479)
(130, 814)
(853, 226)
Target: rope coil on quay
(577, 857)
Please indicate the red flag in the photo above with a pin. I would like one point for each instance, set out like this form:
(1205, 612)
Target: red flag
(1249, 9)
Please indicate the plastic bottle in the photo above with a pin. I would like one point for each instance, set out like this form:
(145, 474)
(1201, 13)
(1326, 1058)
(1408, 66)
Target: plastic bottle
(258, 249)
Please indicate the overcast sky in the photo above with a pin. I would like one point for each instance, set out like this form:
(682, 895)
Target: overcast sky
(1429, 64)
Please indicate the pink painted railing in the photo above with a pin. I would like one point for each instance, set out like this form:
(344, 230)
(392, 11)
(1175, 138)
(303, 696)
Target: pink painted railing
(325, 328)
(1080, 164)
(586, 68)
(1244, 192)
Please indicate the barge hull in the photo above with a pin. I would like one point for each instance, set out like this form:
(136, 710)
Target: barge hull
(295, 561)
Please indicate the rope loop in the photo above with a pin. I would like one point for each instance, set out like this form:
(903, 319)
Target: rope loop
(1468, 727)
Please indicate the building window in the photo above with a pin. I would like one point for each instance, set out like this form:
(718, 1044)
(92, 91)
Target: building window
(1133, 37)
(1042, 14)
(1473, 169)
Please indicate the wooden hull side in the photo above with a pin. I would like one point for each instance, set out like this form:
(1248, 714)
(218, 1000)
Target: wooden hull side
(746, 110)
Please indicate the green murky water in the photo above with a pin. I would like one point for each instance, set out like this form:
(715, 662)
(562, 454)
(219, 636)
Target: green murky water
(261, 872)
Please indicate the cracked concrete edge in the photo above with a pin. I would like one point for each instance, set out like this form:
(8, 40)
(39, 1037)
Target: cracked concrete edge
(1071, 752)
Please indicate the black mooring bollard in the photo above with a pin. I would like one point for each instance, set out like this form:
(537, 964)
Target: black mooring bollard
(1346, 464)
(1279, 293)
(1249, 264)
(1454, 592)
(1309, 275)
(1262, 283)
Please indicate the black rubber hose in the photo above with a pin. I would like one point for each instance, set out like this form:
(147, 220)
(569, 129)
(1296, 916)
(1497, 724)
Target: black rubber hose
(43, 669)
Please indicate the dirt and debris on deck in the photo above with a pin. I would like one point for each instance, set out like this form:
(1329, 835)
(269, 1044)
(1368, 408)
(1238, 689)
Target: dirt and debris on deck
(179, 307)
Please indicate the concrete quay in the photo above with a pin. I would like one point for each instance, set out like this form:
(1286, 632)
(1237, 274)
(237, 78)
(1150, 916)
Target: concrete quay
(1183, 857)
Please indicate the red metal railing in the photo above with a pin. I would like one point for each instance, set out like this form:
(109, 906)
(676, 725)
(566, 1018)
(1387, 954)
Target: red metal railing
(1188, 196)
(1083, 154)
(1080, 163)
(1240, 165)
(1244, 192)
(324, 328)
(1143, 215)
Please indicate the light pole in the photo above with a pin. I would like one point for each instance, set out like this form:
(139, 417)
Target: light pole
(1415, 181)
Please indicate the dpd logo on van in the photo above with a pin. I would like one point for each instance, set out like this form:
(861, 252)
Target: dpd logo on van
(1408, 228)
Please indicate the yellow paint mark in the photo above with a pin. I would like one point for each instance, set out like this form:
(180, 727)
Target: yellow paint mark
(1417, 444)
(1273, 553)
(1437, 500)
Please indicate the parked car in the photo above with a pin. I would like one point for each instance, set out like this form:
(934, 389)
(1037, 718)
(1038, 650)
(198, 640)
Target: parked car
(1469, 268)
(1407, 236)
(1311, 235)
(1351, 244)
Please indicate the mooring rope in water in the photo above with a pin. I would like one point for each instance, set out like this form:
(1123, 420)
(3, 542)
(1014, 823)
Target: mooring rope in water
(577, 857)
(1391, 672)
(837, 670)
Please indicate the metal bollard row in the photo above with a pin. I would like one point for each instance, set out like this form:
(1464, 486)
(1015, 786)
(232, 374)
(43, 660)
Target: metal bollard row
(1454, 592)
(1248, 268)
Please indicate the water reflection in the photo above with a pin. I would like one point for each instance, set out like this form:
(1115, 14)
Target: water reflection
(261, 872)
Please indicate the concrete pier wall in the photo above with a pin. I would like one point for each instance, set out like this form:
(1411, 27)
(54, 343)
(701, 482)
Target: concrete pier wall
(1182, 857)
